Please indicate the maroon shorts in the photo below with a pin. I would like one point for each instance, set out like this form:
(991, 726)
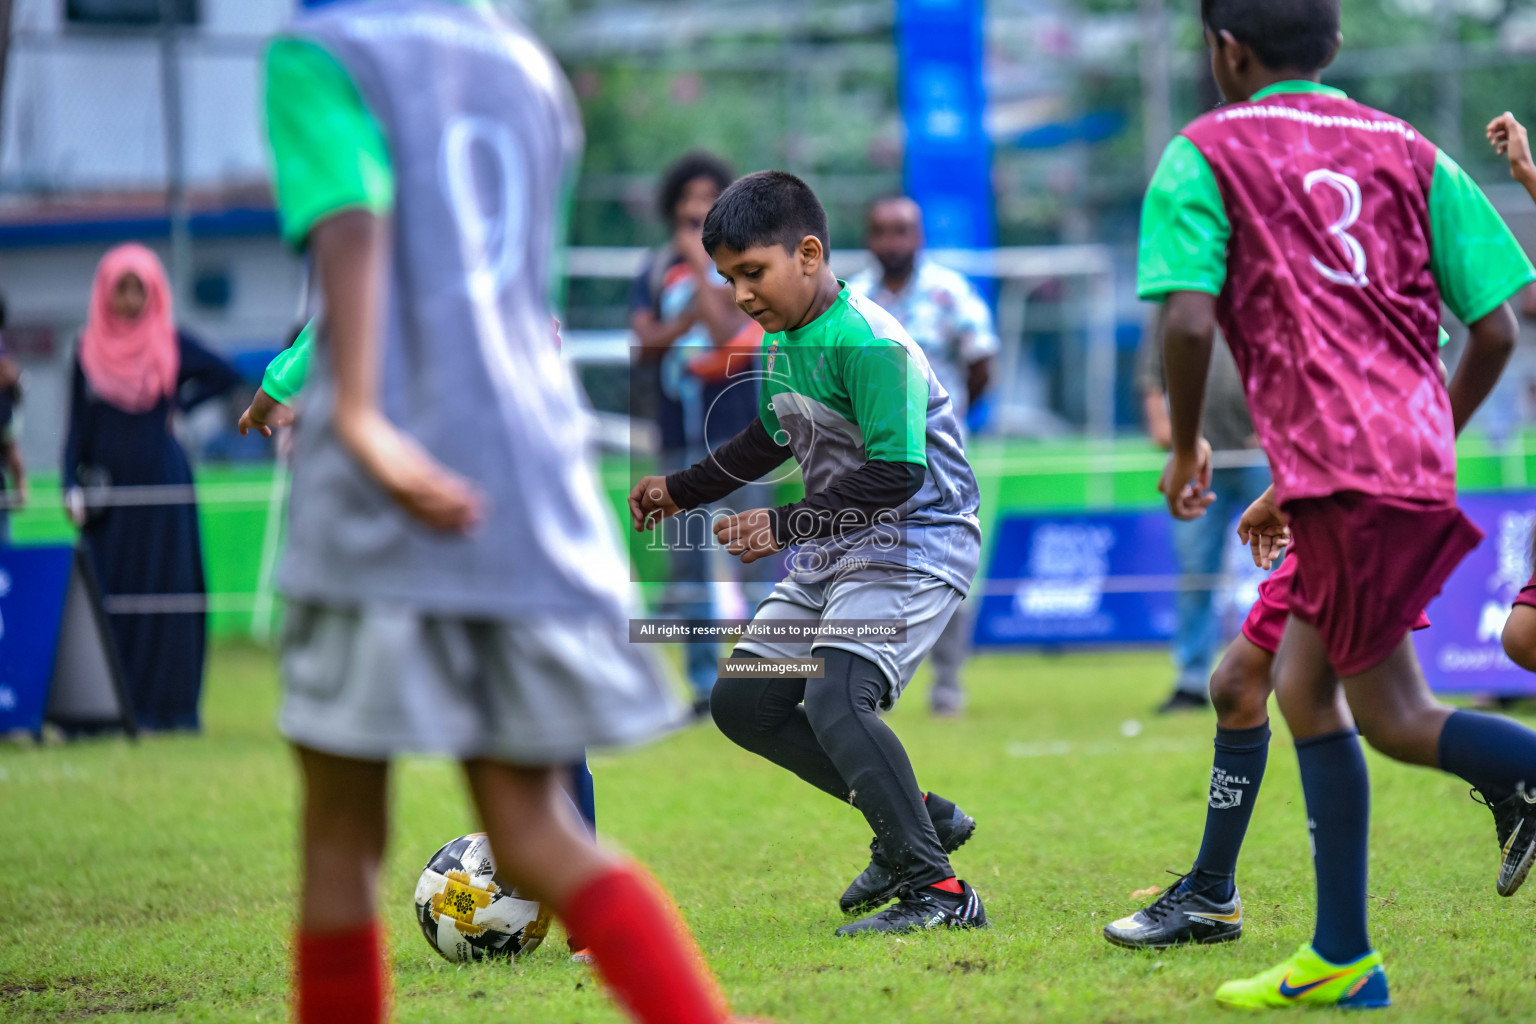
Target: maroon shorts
(1527, 593)
(1372, 565)
(1265, 624)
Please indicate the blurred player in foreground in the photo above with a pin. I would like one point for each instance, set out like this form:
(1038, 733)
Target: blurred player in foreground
(440, 467)
(1324, 235)
(887, 532)
(1204, 906)
(272, 407)
(953, 327)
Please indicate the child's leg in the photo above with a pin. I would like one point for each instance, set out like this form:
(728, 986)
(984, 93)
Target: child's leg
(339, 961)
(640, 944)
(1520, 636)
(842, 709)
(1240, 689)
(1401, 718)
(1337, 790)
(764, 715)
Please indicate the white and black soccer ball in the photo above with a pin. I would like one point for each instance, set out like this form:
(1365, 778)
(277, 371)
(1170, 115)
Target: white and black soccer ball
(466, 915)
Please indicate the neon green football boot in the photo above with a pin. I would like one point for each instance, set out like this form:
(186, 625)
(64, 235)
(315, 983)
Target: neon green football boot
(1306, 979)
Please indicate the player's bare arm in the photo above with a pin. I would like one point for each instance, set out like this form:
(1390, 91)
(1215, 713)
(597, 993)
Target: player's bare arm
(1490, 343)
(1508, 137)
(748, 535)
(1189, 329)
(264, 414)
(1265, 529)
(350, 252)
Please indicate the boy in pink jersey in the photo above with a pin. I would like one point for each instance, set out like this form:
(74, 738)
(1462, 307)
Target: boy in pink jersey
(1204, 906)
(1324, 235)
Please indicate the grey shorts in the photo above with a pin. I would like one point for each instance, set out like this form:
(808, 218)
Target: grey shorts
(376, 681)
(924, 602)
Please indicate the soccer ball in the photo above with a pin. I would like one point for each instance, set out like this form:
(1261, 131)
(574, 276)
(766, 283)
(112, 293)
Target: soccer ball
(466, 915)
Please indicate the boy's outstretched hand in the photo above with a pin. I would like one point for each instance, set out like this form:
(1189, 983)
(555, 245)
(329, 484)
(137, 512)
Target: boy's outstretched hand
(1265, 529)
(748, 534)
(265, 413)
(1508, 137)
(650, 503)
(429, 492)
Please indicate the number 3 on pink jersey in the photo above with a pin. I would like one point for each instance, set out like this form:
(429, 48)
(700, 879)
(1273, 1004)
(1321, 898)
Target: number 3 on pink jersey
(1349, 191)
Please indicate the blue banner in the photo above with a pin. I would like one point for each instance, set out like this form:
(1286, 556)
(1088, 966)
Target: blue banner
(33, 585)
(1112, 579)
(1461, 651)
(943, 101)
(1061, 579)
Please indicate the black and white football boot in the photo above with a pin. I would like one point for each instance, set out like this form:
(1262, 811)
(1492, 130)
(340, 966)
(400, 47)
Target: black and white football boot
(924, 909)
(1185, 913)
(1514, 818)
(879, 883)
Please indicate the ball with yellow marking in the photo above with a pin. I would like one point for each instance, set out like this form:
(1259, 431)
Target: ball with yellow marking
(466, 914)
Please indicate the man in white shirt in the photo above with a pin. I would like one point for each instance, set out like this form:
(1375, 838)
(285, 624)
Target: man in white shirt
(953, 326)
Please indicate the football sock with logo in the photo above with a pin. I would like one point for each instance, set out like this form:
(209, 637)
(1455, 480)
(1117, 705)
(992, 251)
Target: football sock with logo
(1492, 753)
(643, 949)
(1338, 793)
(1235, 777)
(339, 976)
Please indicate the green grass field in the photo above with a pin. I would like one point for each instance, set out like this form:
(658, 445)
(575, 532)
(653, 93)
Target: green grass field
(155, 881)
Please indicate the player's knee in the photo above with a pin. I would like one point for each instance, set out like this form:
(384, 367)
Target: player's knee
(733, 705)
(1387, 735)
(1520, 637)
(1240, 689)
(851, 686)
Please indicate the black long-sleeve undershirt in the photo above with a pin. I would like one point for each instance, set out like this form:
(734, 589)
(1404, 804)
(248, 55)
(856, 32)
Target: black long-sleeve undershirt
(855, 500)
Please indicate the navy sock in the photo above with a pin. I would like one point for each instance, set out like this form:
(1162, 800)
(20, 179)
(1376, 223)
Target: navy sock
(582, 792)
(1235, 776)
(1338, 792)
(1492, 753)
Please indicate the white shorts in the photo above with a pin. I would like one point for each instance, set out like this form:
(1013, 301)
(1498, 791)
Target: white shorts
(925, 603)
(376, 681)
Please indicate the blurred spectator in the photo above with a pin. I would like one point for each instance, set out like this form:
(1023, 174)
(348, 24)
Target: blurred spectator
(953, 327)
(1201, 544)
(134, 370)
(10, 449)
(695, 378)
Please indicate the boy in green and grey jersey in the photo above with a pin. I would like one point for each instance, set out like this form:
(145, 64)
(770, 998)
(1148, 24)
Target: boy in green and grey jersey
(888, 531)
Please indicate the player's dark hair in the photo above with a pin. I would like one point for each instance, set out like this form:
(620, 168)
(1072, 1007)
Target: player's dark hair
(686, 169)
(766, 208)
(1284, 34)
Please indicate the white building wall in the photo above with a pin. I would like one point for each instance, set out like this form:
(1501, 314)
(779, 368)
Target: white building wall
(82, 107)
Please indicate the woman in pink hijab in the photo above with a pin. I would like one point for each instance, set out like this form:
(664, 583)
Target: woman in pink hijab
(134, 371)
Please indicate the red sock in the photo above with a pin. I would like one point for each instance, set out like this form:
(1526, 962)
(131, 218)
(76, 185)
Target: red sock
(643, 949)
(339, 976)
(950, 884)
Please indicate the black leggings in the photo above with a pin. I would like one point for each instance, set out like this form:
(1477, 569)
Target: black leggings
(838, 743)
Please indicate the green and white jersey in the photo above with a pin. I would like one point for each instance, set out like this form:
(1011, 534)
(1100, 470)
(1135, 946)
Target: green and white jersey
(852, 386)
